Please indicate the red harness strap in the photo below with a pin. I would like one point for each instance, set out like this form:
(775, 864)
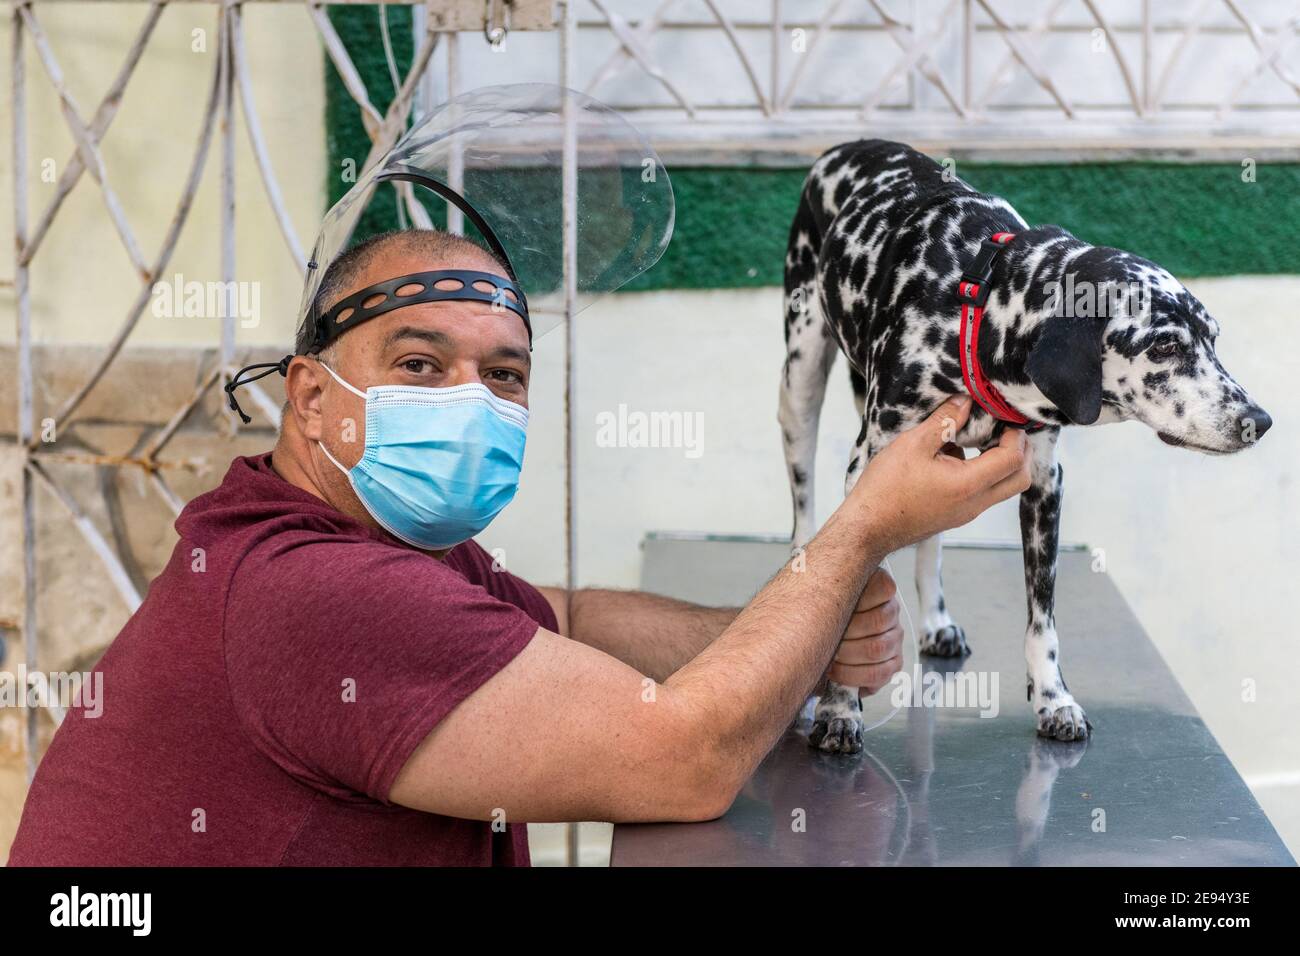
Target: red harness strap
(972, 293)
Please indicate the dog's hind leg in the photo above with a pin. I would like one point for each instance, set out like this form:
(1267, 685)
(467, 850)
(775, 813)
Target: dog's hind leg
(858, 382)
(942, 637)
(1040, 513)
(810, 353)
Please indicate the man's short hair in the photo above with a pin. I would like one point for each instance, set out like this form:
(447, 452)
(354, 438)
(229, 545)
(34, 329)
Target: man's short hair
(343, 273)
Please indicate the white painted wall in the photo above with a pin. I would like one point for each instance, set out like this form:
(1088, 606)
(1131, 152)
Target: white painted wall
(82, 282)
(1205, 550)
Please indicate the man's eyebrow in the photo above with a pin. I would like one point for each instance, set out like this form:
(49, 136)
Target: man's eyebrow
(434, 337)
(431, 336)
(511, 352)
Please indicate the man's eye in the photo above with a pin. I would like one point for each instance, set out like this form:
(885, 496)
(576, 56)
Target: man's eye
(1164, 349)
(417, 366)
(506, 375)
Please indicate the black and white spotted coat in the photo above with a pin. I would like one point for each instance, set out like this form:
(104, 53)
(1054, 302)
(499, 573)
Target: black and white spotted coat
(876, 249)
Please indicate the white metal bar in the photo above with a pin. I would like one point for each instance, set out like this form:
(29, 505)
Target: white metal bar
(169, 497)
(748, 67)
(23, 334)
(1112, 40)
(1189, 31)
(778, 41)
(631, 41)
(117, 572)
(389, 57)
(105, 113)
(1269, 58)
(1010, 58)
(569, 199)
(925, 65)
(456, 161)
(1269, 54)
(81, 135)
(620, 57)
(260, 153)
(178, 417)
(823, 28)
(908, 60)
(164, 255)
(1148, 34)
(227, 83)
(347, 71)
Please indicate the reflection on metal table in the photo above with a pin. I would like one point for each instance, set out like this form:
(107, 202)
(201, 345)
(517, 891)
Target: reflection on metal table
(943, 785)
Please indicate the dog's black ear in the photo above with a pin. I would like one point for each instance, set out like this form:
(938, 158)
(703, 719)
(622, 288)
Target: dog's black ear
(1065, 364)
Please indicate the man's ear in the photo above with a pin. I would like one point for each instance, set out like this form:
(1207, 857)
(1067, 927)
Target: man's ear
(302, 389)
(1065, 364)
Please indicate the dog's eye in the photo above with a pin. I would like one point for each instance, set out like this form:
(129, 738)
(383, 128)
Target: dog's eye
(1164, 349)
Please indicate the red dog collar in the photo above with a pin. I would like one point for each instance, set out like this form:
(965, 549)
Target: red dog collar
(972, 293)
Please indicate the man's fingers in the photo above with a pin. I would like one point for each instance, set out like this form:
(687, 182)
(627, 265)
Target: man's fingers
(1008, 457)
(887, 671)
(880, 588)
(1012, 484)
(872, 621)
(868, 677)
(946, 421)
(872, 649)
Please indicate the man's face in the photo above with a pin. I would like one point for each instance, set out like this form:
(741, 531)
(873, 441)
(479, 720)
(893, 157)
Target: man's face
(430, 344)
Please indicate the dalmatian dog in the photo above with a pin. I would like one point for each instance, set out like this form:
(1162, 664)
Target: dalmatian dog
(879, 262)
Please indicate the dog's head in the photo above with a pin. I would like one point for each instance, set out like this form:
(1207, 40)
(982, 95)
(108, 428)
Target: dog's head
(1123, 334)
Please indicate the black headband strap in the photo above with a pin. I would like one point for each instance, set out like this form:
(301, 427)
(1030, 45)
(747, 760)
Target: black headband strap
(438, 286)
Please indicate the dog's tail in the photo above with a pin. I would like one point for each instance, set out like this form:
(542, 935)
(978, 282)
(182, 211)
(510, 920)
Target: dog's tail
(801, 255)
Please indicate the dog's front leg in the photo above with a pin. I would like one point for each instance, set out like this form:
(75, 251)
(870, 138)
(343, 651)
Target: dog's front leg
(837, 721)
(1040, 514)
(942, 637)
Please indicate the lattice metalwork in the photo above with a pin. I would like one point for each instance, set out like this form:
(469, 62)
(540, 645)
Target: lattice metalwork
(730, 81)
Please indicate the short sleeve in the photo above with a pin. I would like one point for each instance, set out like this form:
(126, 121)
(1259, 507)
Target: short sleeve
(342, 655)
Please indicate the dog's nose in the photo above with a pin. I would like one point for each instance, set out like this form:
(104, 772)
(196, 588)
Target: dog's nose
(1260, 419)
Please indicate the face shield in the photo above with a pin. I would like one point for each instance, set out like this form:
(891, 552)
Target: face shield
(494, 160)
(497, 156)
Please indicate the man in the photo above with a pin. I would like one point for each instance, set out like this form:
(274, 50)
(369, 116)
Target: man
(304, 686)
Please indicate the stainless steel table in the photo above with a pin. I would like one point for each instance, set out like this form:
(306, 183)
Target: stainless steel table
(946, 786)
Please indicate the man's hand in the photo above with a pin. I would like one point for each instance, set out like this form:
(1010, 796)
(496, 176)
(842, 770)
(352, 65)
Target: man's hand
(915, 488)
(872, 649)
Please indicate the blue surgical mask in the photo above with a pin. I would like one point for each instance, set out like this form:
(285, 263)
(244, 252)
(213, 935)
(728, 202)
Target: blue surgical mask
(439, 463)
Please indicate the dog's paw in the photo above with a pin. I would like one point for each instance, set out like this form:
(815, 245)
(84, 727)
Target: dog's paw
(837, 735)
(949, 641)
(1063, 721)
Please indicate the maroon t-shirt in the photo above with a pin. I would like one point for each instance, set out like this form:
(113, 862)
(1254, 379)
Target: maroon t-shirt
(278, 675)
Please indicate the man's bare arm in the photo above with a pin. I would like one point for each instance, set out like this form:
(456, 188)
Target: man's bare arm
(657, 635)
(567, 732)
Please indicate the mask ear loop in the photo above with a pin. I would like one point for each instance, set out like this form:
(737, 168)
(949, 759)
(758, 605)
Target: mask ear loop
(334, 461)
(348, 385)
(354, 390)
